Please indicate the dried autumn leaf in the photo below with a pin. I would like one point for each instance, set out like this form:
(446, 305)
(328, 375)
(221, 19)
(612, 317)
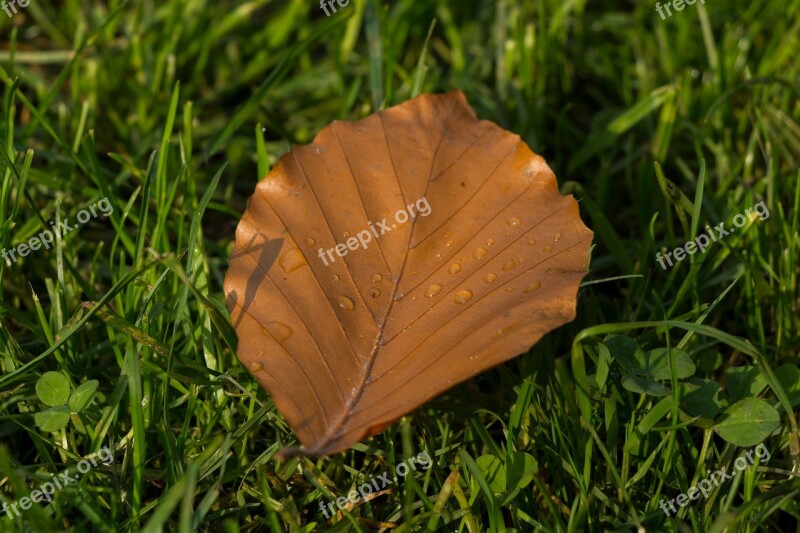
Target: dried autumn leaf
(348, 344)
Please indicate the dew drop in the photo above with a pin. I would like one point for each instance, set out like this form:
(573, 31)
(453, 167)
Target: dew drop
(449, 243)
(557, 237)
(548, 249)
(531, 242)
(346, 234)
(509, 265)
(505, 330)
(514, 221)
(463, 296)
(335, 277)
(255, 366)
(479, 253)
(310, 242)
(278, 331)
(346, 303)
(374, 292)
(490, 277)
(292, 260)
(533, 286)
(489, 242)
(433, 290)
(455, 268)
(377, 278)
(448, 234)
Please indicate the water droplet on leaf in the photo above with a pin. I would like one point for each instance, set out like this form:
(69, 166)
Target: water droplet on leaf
(278, 331)
(292, 260)
(433, 290)
(346, 303)
(533, 286)
(462, 296)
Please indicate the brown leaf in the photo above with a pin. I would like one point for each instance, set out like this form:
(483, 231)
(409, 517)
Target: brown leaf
(493, 264)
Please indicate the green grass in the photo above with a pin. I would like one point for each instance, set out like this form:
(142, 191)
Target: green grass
(174, 109)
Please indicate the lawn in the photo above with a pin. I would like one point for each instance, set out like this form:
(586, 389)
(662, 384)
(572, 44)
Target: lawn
(140, 130)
